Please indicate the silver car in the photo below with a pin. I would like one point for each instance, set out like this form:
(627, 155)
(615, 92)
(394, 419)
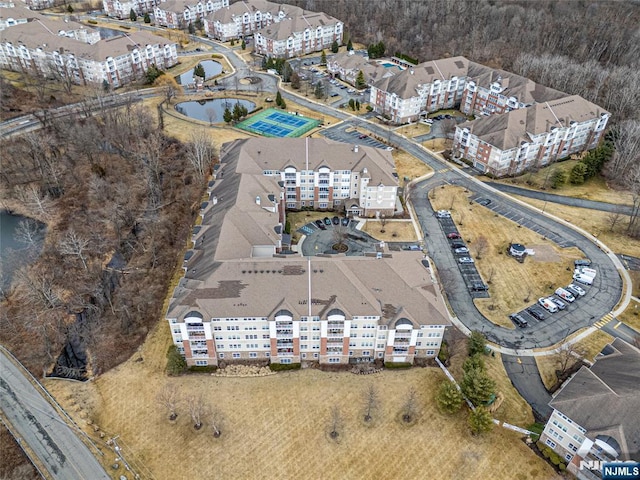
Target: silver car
(461, 250)
(559, 303)
(465, 260)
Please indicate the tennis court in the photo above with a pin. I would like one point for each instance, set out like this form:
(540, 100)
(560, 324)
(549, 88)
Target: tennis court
(274, 123)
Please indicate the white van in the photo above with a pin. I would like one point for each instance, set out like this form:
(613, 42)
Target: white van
(548, 304)
(565, 295)
(586, 271)
(582, 278)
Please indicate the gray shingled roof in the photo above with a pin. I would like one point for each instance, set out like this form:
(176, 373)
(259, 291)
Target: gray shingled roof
(605, 399)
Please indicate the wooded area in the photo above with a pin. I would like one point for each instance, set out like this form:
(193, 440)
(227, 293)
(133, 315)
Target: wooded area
(118, 197)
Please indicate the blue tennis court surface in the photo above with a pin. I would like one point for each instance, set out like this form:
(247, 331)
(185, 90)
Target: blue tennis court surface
(274, 123)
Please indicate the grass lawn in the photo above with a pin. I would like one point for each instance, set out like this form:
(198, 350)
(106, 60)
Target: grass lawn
(588, 348)
(594, 222)
(409, 166)
(631, 316)
(413, 130)
(504, 275)
(593, 189)
(438, 144)
(277, 426)
(394, 230)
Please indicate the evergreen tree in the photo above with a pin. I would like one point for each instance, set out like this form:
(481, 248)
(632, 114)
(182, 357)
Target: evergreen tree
(283, 104)
(176, 364)
(476, 343)
(480, 421)
(319, 91)
(295, 81)
(279, 99)
(237, 112)
(475, 361)
(449, 398)
(147, 18)
(358, 105)
(558, 178)
(323, 58)
(578, 173)
(233, 42)
(335, 47)
(352, 104)
(360, 82)
(227, 116)
(153, 73)
(477, 386)
(192, 28)
(349, 45)
(132, 15)
(69, 8)
(106, 86)
(244, 45)
(198, 71)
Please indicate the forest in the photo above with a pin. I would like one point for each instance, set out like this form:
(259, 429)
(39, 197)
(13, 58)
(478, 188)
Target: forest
(118, 198)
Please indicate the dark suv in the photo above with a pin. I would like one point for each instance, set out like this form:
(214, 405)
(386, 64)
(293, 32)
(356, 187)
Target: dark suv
(519, 320)
(536, 313)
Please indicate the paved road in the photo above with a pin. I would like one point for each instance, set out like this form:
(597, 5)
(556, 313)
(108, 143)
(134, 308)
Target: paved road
(39, 425)
(561, 199)
(523, 372)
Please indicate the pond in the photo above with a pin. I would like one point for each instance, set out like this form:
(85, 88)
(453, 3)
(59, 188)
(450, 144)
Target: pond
(211, 110)
(13, 252)
(211, 69)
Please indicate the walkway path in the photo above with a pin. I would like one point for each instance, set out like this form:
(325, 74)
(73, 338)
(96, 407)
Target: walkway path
(561, 199)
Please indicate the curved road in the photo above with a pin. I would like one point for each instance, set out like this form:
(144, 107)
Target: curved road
(38, 424)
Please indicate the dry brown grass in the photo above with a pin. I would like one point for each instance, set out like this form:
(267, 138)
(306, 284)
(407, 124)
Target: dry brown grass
(594, 222)
(593, 189)
(438, 144)
(409, 166)
(631, 316)
(277, 426)
(413, 130)
(506, 274)
(394, 230)
(588, 348)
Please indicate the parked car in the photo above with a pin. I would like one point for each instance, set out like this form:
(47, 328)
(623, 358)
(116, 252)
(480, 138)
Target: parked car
(429, 121)
(345, 222)
(585, 279)
(565, 295)
(576, 290)
(362, 136)
(327, 221)
(336, 220)
(320, 225)
(559, 303)
(479, 287)
(465, 260)
(413, 248)
(457, 244)
(519, 320)
(583, 262)
(461, 250)
(590, 272)
(536, 313)
(443, 214)
(453, 236)
(548, 305)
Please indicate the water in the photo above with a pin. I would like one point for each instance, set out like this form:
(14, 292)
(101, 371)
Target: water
(211, 69)
(13, 253)
(211, 110)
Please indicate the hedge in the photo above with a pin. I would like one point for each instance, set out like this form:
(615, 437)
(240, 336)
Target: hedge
(281, 367)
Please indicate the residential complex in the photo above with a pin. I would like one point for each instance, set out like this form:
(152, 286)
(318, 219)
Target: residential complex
(347, 66)
(245, 297)
(122, 8)
(65, 49)
(181, 13)
(522, 124)
(279, 30)
(595, 413)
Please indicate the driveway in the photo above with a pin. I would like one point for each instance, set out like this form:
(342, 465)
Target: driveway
(524, 375)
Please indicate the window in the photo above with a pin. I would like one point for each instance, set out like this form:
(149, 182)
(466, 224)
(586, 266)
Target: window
(235, 355)
(551, 443)
(285, 360)
(365, 353)
(334, 360)
(253, 355)
(568, 457)
(201, 363)
(221, 355)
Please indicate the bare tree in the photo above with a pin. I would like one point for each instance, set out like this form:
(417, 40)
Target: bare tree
(169, 398)
(481, 245)
(215, 420)
(371, 402)
(76, 245)
(340, 235)
(197, 409)
(201, 151)
(569, 354)
(410, 406)
(614, 218)
(492, 271)
(211, 115)
(383, 221)
(336, 422)
(29, 234)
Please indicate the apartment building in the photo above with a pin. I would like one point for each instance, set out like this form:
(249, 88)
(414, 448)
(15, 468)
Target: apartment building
(10, 15)
(242, 18)
(243, 297)
(511, 142)
(298, 35)
(40, 48)
(595, 413)
(322, 174)
(347, 66)
(181, 13)
(426, 87)
(122, 8)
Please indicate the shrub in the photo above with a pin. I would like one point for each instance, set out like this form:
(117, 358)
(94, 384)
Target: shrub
(203, 368)
(397, 365)
(176, 364)
(281, 367)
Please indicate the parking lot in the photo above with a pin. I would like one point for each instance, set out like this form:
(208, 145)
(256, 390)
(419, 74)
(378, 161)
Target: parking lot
(339, 133)
(472, 278)
(321, 240)
(512, 214)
